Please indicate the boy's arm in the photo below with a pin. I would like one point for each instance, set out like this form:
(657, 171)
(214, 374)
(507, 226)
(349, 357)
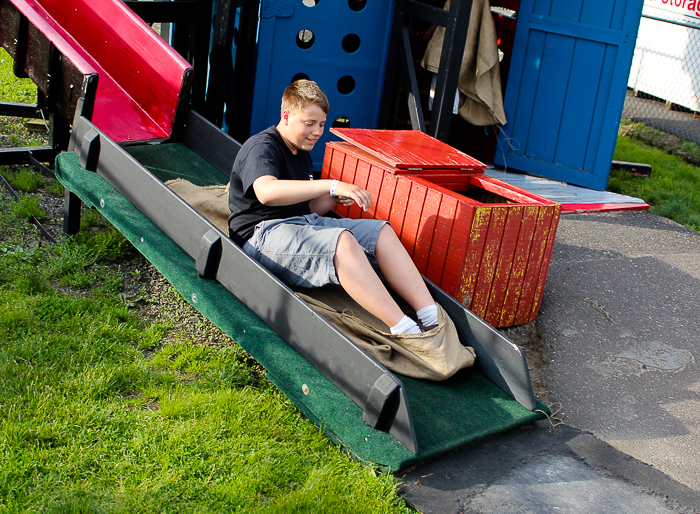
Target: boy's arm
(272, 191)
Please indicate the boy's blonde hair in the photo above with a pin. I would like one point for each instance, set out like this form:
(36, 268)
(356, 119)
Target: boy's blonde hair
(301, 92)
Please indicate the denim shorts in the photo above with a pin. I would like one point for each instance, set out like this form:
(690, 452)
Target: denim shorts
(300, 250)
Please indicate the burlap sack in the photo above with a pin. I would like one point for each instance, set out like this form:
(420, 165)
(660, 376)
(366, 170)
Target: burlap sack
(433, 355)
(210, 201)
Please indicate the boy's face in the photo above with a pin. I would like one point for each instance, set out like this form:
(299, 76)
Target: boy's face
(303, 128)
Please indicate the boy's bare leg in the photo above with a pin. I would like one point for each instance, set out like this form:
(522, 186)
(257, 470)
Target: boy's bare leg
(360, 281)
(399, 270)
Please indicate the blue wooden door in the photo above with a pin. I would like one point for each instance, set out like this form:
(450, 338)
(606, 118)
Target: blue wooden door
(341, 44)
(566, 88)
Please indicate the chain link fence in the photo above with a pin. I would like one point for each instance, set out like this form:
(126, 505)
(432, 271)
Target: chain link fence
(664, 81)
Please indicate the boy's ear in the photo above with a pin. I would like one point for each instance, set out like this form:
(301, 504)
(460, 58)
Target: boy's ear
(285, 117)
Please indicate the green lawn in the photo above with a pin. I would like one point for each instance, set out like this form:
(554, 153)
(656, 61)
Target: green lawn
(103, 410)
(672, 190)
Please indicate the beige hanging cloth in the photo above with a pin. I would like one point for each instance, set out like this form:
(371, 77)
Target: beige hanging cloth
(481, 99)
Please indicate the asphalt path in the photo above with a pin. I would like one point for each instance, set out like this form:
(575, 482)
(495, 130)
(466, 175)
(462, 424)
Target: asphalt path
(621, 337)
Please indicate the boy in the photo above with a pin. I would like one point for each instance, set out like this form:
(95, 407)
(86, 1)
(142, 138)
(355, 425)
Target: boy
(276, 217)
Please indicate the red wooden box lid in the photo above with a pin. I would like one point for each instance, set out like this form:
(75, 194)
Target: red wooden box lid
(409, 149)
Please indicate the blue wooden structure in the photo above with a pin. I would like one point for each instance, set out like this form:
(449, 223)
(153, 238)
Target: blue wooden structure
(341, 44)
(566, 88)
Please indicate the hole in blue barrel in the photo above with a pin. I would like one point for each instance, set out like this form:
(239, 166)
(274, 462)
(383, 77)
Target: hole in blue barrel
(305, 39)
(341, 122)
(310, 3)
(300, 76)
(351, 43)
(346, 85)
(357, 5)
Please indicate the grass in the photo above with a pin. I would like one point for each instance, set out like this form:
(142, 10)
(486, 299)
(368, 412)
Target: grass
(27, 207)
(672, 190)
(669, 143)
(104, 410)
(12, 89)
(99, 414)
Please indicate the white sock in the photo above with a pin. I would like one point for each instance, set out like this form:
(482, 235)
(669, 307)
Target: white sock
(405, 326)
(428, 316)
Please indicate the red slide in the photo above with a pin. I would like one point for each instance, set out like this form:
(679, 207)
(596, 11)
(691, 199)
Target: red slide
(141, 77)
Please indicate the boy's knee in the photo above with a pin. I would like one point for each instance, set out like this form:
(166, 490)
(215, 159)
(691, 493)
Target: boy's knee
(346, 243)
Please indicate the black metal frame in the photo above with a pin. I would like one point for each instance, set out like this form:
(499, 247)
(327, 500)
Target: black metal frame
(191, 35)
(456, 23)
(369, 384)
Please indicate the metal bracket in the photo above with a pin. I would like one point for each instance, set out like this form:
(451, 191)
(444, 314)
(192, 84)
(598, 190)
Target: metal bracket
(209, 256)
(382, 402)
(90, 150)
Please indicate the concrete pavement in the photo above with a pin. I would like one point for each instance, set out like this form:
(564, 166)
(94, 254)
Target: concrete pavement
(621, 337)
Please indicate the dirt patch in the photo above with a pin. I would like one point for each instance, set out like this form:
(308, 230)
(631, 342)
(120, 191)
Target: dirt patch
(527, 337)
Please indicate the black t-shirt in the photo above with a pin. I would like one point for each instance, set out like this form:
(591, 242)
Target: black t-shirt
(263, 154)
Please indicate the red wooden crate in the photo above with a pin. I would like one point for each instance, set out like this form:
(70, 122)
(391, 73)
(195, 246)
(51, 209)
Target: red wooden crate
(485, 242)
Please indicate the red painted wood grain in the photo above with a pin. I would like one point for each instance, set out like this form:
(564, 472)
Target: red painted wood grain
(489, 258)
(534, 265)
(476, 241)
(426, 229)
(441, 239)
(386, 196)
(504, 265)
(519, 269)
(374, 187)
(537, 297)
(360, 178)
(400, 204)
(414, 209)
(456, 257)
(408, 149)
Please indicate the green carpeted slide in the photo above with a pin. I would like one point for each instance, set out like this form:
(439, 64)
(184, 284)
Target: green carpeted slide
(446, 415)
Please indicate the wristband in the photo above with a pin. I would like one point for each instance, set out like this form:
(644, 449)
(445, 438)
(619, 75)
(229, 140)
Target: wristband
(334, 183)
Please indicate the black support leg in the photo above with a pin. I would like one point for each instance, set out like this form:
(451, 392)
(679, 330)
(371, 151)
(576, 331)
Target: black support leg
(71, 213)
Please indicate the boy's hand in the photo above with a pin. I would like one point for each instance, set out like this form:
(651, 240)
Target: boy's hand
(345, 200)
(350, 193)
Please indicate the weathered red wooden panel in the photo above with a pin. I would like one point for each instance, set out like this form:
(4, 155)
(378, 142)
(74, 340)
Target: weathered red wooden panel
(400, 205)
(328, 164)
(386, 196)
(537, 253)
(441, 239)
(426, 229)
(374, 186)
(537, 298)
(361, 178)
(457, 181)
(476, 241)
(456, 258)
(513, 193)
(409, 149)
(489, 258)
(504, 266)
(347, 169)
(409, 233)
(520, 261)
